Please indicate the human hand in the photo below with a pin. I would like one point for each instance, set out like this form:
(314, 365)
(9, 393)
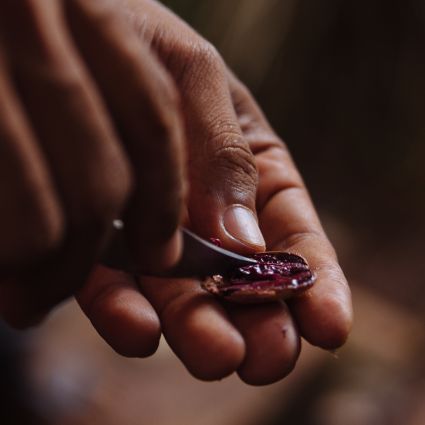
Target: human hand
(235, 161)
(90, 131)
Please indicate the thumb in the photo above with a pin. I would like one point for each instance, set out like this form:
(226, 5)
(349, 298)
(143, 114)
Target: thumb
(222, 195)
(222, 172)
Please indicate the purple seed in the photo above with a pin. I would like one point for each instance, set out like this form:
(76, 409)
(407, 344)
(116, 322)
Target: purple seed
(277, 275)
(216, 241)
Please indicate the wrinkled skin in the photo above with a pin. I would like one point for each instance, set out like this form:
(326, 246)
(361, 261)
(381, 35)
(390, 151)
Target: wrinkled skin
(188, 99)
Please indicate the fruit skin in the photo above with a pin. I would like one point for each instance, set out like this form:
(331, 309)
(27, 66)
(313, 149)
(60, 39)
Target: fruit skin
(276, 276)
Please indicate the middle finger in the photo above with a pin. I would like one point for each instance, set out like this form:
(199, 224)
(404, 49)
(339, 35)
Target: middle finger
(196, 326)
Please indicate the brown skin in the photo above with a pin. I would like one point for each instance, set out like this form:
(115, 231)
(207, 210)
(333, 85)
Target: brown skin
(75, 152)
(235, 158)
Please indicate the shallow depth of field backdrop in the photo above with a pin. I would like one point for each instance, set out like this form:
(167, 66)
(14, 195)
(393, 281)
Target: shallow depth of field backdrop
(343, 83)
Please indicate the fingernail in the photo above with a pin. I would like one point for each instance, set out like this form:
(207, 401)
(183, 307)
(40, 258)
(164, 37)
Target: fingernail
(241, 224)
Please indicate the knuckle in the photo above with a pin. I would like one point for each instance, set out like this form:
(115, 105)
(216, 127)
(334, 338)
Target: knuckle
(55, 71)
(237, 163)
(205, 53)
(66, 79)
(280, 151)
(197, 58)
(269, 144)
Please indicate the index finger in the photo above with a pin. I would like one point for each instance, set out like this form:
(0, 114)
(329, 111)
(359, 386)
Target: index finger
(289, 222)
(145, 106)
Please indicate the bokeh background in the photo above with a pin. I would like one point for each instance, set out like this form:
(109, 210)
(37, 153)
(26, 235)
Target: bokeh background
(343, 82)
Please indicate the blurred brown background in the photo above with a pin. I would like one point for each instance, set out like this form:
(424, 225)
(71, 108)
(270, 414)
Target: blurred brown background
(343, 82)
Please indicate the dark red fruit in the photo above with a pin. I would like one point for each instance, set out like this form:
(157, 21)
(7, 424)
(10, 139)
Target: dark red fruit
(216, 241)
(277, 275)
